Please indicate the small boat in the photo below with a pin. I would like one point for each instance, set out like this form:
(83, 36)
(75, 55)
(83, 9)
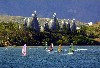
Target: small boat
(24, 50)
(51, 47)
(59, 48)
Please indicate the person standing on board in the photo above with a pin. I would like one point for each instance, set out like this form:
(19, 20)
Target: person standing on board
(72, 47)
(24, 50)
(60, 48)
(51, 47)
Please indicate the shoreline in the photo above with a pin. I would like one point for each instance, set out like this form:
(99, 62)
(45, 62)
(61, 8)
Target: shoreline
(54, 46)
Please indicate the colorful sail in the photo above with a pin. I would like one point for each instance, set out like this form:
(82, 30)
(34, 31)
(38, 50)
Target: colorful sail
(51, 47)
(24, 50)
(60, 48)
(71, 49)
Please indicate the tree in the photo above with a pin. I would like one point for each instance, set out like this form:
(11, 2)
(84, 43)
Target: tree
(68, 27)
(82, 30)
(35, 23)
(73, 28)
(25, 23)
(46, 27)
(55, 24)
(64, 27)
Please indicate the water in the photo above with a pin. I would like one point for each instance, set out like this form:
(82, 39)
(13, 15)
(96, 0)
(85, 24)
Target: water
(37, 57)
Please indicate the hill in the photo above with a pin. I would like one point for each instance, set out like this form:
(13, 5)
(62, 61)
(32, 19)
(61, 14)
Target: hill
(42, 21)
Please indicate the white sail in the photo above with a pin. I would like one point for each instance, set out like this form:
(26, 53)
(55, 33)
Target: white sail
(24, 50)
(51, 47)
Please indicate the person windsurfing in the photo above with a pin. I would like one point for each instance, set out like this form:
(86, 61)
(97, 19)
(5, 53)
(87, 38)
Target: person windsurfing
(71, 49)
(24, 50)
(60, 48)
(51, 47)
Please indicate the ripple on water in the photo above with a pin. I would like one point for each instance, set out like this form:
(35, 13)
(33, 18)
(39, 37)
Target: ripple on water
(39, 58)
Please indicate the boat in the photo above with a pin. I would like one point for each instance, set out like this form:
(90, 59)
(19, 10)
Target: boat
(24, 50)
(59, 48)
(51, 47)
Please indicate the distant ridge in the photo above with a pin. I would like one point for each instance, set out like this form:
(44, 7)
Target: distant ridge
(20, 19)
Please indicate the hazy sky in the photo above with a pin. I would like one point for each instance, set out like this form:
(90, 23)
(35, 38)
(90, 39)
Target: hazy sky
(83, 10)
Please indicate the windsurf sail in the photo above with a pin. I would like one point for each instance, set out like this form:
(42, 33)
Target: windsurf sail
(59, 48)
(71, 49)
(24, 50)
(51, 47)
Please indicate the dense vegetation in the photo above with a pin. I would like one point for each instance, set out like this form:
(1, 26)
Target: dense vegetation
(16, 34)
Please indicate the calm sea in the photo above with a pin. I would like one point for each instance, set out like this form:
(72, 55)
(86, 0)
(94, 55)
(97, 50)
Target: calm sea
(37, 57)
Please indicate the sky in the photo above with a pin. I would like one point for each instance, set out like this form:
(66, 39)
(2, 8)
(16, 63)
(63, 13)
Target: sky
(82, 10)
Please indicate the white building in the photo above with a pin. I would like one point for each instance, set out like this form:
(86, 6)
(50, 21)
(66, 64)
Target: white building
(90, 23)
(77, 28)
(41, 28)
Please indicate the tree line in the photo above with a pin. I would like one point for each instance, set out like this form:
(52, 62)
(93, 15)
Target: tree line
(17, 34)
